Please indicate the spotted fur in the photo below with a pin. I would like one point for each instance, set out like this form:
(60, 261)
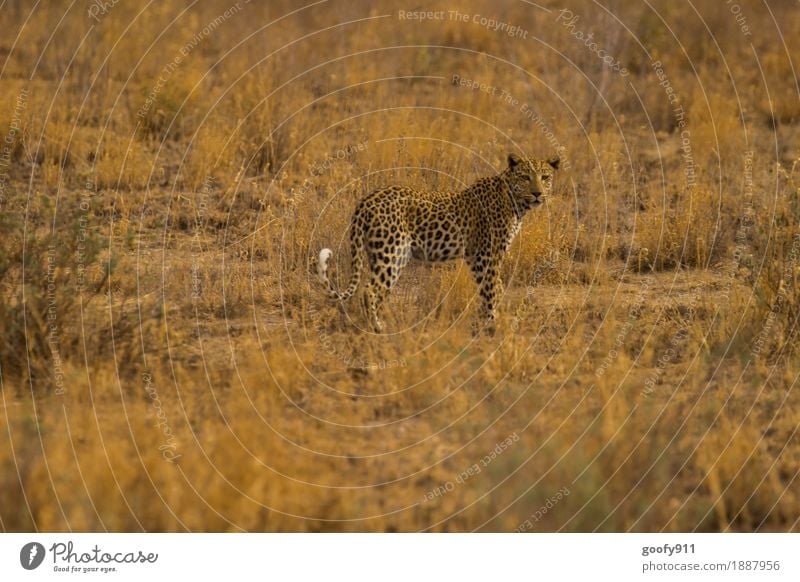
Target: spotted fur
(392, 225)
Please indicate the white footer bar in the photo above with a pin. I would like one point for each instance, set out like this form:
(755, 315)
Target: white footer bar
(401, 557)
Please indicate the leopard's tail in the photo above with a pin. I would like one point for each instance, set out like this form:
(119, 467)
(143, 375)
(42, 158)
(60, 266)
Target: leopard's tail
(357, 253)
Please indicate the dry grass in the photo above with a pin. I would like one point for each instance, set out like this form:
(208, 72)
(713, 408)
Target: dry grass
(170, 363)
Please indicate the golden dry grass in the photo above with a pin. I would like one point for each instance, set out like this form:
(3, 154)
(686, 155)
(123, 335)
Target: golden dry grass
(169, 362)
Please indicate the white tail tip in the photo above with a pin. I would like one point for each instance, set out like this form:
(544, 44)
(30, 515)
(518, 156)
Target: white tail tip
(322, 265)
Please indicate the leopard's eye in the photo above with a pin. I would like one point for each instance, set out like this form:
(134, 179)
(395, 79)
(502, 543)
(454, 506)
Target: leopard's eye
(546, 177)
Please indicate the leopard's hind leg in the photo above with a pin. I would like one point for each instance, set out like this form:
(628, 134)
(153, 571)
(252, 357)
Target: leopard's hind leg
(386, 263)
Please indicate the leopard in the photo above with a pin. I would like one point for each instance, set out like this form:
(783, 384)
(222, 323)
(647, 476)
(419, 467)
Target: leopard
(396, 224)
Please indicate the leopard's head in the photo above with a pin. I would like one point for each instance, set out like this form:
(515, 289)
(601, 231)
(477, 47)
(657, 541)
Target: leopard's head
(530, 181)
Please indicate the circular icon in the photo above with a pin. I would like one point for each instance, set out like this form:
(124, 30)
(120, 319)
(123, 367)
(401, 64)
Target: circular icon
(31, 555)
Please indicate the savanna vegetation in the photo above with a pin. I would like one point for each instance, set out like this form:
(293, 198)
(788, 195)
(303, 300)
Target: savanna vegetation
(169, 362)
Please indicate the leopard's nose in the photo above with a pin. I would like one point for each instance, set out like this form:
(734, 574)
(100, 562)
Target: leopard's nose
(537, 194)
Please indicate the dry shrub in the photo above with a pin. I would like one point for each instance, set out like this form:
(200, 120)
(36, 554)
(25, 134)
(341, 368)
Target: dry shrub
(777, 285)
(123, 163)
(538, 253)
(781, 104)
(742, 481)
(685, 232)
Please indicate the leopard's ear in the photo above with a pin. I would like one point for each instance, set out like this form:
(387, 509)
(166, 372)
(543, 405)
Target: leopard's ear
(554, 162)
(513, 160)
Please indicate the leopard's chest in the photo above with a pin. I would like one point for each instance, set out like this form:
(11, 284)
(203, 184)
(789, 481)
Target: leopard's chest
(513, 229)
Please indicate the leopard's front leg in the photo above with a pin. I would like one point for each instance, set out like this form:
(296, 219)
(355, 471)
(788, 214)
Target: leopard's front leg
(486, 271)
